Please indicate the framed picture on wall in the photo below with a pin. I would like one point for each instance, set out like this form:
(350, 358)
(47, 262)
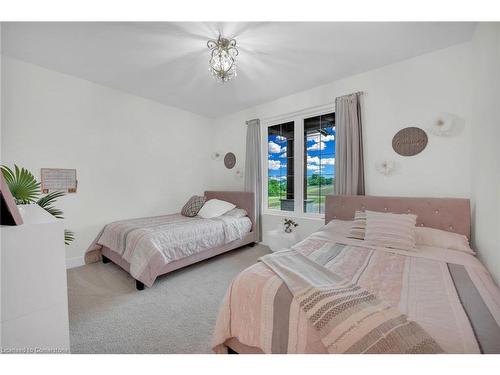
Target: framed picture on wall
(58, 179)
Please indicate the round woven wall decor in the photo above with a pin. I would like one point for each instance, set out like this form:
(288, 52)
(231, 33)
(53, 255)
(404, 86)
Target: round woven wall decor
(230, 160)
(409, 141)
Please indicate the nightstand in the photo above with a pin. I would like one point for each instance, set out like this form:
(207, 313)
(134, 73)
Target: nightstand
(278, 239)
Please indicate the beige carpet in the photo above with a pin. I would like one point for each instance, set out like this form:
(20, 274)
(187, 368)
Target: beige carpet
(176, 315)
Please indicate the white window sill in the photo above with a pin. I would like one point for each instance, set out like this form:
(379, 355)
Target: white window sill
(294, 215)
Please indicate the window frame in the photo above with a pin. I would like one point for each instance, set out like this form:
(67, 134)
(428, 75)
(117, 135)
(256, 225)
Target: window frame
(298, 118)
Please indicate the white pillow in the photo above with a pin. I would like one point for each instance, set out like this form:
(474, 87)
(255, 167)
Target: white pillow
(215, 208)
(441, 238)
(396, 231)
(237, 213)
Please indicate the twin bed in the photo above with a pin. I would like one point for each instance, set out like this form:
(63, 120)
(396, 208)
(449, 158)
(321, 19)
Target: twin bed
(365, 299)
(153, 246)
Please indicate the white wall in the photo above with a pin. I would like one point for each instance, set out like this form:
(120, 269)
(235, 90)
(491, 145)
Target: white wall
(485, 141)
(134, 157)
(407, 93)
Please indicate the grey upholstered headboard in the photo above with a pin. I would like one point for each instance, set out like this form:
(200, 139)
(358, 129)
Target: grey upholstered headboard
(241, 199)
(450, 214)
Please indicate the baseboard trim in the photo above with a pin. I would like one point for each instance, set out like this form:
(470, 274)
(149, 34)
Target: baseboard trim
(75, 262)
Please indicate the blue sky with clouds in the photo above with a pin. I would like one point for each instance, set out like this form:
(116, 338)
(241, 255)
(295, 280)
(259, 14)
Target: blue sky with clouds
(320, 155)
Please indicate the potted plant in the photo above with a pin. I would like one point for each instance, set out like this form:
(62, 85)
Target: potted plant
(26, 190)
(289, 224)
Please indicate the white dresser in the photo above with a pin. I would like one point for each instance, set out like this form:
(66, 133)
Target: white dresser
(34, 299)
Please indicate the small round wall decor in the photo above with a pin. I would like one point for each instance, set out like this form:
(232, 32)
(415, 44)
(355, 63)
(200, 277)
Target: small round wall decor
(409, 141)
(230, 160)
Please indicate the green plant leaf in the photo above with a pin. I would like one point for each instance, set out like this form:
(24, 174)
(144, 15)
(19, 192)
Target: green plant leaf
(22, 184)
(69, 236)
(46, 203)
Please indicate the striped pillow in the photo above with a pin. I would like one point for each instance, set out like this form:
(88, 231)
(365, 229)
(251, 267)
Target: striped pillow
(396, 231)
(358, 226)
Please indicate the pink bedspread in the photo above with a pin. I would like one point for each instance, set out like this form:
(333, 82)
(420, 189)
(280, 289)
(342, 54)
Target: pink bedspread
(448, 293)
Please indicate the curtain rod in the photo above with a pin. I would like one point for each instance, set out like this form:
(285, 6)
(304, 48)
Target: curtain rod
(357, 93)
(354, 93)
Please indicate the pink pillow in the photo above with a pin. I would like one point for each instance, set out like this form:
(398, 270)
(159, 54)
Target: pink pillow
(441, 238)
(395, 231)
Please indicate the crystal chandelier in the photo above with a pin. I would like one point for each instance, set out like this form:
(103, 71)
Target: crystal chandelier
(222, 58)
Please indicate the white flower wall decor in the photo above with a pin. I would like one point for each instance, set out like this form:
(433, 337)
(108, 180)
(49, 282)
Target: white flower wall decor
(385, 167)
(443, 124)
(216, 155)
(238, 174)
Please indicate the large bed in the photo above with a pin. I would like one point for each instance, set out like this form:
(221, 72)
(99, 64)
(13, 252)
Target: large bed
(153, 246)
(448, 294)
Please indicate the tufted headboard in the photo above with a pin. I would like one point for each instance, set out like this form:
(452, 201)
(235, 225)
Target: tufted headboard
(241, 199)
(450, 214)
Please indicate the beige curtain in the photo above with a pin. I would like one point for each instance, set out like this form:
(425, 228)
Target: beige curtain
(253, 180)
(349, 164)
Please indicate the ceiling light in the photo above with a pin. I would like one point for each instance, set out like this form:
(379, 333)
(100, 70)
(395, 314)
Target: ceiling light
(222, 58)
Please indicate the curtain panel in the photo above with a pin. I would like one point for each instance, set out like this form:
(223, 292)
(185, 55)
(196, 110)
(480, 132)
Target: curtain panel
(253, 176)
(349, 163)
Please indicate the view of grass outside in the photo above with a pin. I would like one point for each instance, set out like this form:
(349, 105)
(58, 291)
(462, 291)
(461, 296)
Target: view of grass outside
(315, 193)
(276, 190)
(317, 188)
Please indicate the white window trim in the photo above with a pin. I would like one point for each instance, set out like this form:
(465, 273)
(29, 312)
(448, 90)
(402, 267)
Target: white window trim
(298, 118)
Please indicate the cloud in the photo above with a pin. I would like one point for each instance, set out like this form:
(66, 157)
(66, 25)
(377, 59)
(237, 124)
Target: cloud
(274, 165)
(315, 164)
(327, 161)
(280, 138)
(312, 159)
(313, 167)
(274, 148)
(328, 138)
(316, 137)
(317, 146)
(317, 160)
(283, 155)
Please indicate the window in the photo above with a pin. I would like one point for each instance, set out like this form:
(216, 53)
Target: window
(280, 181)
(300, 153)
(319, 161)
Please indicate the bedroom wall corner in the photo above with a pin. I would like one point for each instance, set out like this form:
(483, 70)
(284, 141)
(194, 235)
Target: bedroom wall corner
(128, 162)
(485, 120)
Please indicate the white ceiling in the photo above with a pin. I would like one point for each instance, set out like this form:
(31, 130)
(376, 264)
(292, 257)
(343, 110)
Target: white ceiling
(168, 61)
